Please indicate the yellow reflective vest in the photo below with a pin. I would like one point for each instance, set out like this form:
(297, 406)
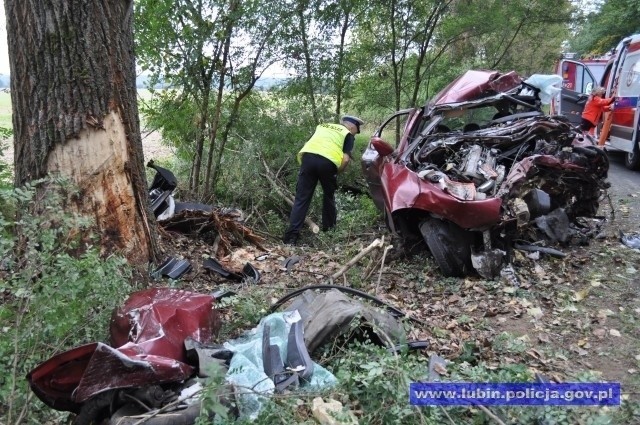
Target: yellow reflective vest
(327, 141)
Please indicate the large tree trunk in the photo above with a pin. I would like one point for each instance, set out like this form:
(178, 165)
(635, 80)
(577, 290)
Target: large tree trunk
(75, 113)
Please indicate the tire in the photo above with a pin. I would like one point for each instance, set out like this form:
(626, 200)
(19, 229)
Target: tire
(632, 159)
(94, 409)
(129, 415)
(450, 246)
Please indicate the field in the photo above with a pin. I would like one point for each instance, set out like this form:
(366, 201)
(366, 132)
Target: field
(5, 105)
(150, 140)
(5, 109)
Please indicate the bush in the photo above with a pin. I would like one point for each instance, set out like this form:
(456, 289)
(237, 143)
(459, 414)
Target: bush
(375, 383)
(52, 299)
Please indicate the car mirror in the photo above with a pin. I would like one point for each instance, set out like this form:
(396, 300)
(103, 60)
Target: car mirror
(383, 148)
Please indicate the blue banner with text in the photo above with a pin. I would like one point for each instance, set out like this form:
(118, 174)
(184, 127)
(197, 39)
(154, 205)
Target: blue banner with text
(514, 394)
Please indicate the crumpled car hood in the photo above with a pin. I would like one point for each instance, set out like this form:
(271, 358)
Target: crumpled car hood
(149, 331)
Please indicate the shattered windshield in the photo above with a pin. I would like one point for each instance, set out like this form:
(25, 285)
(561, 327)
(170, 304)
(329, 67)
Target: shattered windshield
(468, 119)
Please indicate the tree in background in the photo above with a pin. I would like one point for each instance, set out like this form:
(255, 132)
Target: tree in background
(604, 27)
(414, 49)
(342, 16)
(75, 113)
(186, 44)
(211, 53)
(369, 58)
(519, 35)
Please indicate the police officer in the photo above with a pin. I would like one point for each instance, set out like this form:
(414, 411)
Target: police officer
(327, 153)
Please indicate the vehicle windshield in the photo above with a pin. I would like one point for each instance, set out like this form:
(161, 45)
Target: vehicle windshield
(468, 119)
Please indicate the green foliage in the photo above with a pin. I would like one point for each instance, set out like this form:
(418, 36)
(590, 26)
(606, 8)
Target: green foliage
(244, 310)
(57, 291)
(505, 343)
(5, 167)
(212, 52)
(377, 382)
(285, 410)
(356, 215)
(374, 383)
(604, 28)
(212, 396)
(176, 116)
(268, 128)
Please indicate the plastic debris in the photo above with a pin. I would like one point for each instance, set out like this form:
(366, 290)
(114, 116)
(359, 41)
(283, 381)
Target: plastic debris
(631, 240)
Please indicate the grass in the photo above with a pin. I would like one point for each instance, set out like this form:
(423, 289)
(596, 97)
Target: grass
(5, 109)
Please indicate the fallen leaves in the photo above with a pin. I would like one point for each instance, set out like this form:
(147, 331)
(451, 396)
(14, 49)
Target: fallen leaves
(535, 312)
(565, 311)
(580, 295)
(544, 338)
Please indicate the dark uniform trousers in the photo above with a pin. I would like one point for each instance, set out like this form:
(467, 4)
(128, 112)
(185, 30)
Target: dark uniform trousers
(313, 168)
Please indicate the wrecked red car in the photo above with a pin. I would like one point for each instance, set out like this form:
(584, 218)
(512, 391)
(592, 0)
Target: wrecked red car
(481, 167)
(146, 363)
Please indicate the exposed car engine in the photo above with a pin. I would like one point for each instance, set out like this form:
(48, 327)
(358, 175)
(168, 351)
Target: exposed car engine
(473, 165)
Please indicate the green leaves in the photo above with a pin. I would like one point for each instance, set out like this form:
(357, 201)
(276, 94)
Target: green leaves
(605, 26)
(52, 299)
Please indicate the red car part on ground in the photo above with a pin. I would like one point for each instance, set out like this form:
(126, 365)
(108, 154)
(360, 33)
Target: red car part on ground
(149, 332)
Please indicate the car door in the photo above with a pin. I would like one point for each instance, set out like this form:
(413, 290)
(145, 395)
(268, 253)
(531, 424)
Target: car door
(394, 130)
(577, 83)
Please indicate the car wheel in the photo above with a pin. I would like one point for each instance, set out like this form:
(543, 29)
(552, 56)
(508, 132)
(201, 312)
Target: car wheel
(131, 415)
(632, 159)
(93, 410)
(450, 246)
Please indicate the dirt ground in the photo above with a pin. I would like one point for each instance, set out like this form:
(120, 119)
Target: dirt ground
(567, 319)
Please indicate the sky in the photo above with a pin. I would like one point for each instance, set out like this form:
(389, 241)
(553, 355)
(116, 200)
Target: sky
(274, 71)
(4, 52)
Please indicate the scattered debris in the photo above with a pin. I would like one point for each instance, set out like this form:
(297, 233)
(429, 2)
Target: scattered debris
(248, 274)
(258, 370)
(327, 315)
(542, 249)
(289, 262)
(631, 240)
(172, 268)
(166, 344)
(331, 412)
(378, 243)
(149, 330)
(214, 265)
(437, 368)
(222, 227)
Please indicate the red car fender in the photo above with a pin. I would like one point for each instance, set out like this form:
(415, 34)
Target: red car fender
(403, 189)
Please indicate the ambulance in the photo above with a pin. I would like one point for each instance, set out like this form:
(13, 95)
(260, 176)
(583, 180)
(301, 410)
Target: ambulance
(619, 74)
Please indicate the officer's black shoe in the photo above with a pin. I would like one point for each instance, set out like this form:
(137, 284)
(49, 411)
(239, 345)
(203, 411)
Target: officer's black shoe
(290, 239)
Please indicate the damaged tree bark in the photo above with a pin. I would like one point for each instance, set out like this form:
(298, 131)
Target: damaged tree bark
(75, 113)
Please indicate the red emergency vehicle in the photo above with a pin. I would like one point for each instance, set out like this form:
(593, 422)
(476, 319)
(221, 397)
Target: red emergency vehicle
(620, 75)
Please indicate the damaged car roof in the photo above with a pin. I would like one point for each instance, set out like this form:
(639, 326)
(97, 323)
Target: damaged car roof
(473, 85)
